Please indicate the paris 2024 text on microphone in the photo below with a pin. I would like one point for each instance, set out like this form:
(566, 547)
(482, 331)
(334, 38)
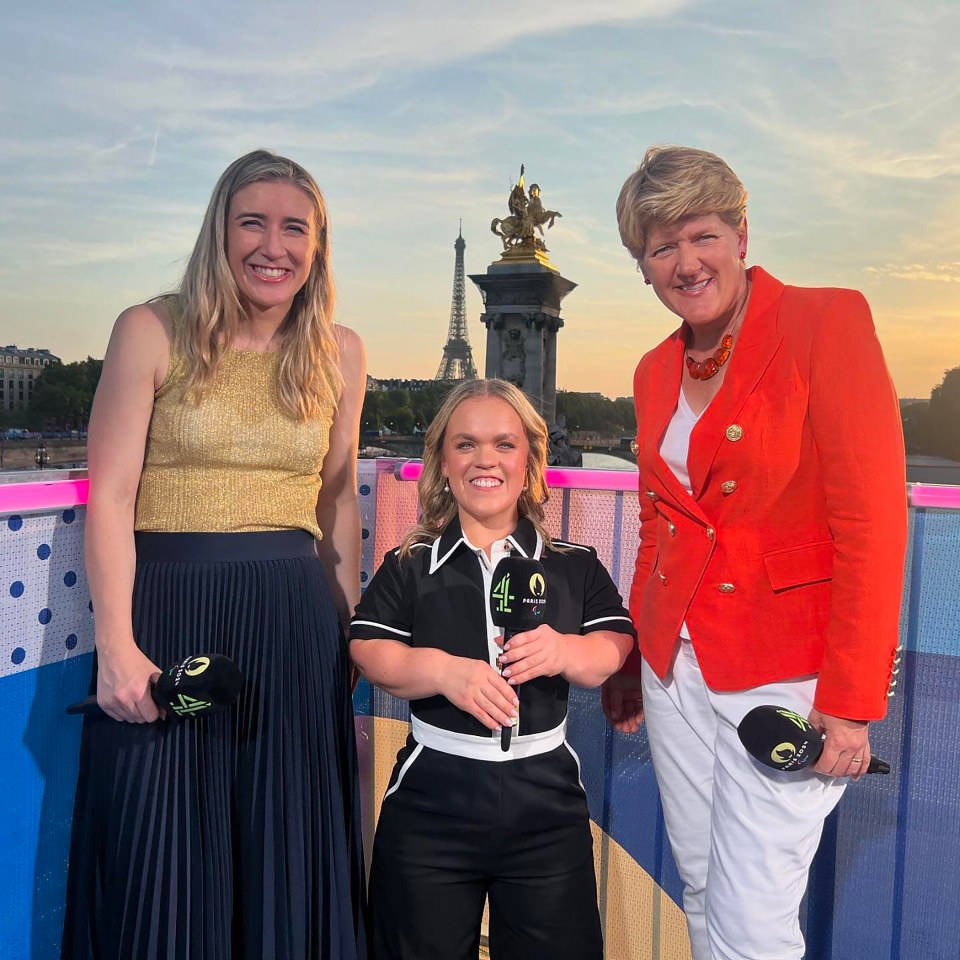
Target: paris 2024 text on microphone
(785, 740)
(195, 687)
(518, 602)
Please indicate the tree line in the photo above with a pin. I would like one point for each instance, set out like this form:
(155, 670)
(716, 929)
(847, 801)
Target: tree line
(932, 426)
(63, 393)
(408, 411)
(62, 396)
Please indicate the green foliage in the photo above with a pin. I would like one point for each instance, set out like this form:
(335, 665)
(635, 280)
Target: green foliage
(14, 419)
(932, 427)
(63, 395)
(943, 417)
(588, 411)
(402, 410)
(914, 415)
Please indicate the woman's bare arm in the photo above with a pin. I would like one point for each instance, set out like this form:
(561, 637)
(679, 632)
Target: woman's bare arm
(338, 510)
(135, 362)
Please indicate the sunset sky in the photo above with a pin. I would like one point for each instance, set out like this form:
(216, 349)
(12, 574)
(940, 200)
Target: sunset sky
(843, 120)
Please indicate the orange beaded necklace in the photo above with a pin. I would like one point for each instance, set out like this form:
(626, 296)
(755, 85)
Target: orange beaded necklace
(705, 369)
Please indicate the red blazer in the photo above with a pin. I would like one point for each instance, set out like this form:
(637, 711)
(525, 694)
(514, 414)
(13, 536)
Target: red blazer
(787, 559)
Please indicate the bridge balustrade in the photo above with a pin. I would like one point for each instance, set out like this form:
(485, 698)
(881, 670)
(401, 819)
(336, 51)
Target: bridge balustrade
(886, 880)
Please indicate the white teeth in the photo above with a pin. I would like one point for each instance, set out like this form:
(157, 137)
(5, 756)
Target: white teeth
(272, 273)
(486, 482)
(695, 287)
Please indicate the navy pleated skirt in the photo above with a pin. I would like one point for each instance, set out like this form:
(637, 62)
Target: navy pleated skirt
(234, 836)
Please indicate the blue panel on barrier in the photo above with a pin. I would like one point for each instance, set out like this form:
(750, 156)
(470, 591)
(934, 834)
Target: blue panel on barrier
(39, 745)
(624, 798)
(939, 601)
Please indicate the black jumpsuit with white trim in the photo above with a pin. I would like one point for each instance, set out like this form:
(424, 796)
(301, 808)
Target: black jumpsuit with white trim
(461, 819)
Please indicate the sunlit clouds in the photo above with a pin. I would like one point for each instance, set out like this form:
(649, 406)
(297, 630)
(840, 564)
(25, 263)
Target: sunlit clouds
(842, 119)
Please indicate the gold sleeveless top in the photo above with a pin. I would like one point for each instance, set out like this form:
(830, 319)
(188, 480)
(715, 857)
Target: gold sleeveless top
(235, 462)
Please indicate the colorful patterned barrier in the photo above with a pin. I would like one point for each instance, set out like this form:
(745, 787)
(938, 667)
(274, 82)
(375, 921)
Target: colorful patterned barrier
(885, 882)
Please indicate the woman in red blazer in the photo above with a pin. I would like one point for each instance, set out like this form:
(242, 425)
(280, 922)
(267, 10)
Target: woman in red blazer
(772, 541)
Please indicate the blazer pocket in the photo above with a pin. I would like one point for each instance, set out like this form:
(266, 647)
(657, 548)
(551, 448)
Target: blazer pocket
(796, 566)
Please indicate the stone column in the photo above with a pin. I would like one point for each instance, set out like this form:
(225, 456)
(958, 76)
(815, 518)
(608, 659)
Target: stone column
(522, 317)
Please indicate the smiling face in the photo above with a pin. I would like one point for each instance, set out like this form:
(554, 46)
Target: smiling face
(485, 454)
(271, 243)
(696, 269)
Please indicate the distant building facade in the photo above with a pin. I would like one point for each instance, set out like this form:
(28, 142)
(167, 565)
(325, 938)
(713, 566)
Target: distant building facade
(20, 370)
(376, 385)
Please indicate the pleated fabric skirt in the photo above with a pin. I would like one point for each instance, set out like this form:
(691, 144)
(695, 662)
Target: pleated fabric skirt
(234, 836)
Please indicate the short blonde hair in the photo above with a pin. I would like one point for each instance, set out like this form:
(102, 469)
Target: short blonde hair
(673, 183)
(437, 505)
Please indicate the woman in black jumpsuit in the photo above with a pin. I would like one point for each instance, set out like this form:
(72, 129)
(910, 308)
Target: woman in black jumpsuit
(462, 819)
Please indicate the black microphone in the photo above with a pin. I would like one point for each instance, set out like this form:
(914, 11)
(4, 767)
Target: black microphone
(518, 602)
(784, 740)
(195, 687)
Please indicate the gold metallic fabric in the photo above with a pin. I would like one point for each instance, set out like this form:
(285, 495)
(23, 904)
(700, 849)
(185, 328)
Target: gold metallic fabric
(235, 462)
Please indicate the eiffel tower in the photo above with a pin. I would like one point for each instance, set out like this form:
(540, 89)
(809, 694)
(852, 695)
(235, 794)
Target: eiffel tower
(457, 362)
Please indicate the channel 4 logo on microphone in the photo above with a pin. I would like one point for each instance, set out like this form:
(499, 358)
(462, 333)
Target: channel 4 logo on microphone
(501, 593)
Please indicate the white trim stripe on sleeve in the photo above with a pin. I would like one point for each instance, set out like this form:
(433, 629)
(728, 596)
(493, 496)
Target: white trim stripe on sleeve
(590, 623)
(382, 626)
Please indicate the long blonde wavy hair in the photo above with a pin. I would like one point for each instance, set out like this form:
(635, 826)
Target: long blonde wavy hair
(437, 505)
(212, 313)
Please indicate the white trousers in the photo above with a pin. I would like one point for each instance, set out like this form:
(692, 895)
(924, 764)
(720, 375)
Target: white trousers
(743, 835)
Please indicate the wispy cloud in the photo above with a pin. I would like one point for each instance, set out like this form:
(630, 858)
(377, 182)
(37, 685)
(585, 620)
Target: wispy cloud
(843, 120)
(934, 272)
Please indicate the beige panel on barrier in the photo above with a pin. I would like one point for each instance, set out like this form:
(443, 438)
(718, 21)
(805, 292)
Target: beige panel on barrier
(640, 921)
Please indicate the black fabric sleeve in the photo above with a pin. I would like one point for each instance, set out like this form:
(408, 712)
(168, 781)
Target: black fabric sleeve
(385, 610)
(603, 607)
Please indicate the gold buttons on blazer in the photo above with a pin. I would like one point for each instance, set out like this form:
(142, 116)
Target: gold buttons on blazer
(711, 534)
(727, 588)
(895, 659)
(672, 528)
(662, 577)
(734, 432)
(653, 496)
(728, 486)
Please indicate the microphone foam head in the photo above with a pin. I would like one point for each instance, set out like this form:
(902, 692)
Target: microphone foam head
(780, 738)
(518, 599)
(199, 685)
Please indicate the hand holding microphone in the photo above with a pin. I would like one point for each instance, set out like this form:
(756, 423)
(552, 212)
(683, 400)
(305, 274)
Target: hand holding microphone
(195, 687)
(518, 602)
(784, 740)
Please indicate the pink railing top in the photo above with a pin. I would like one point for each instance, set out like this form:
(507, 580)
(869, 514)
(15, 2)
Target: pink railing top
(557, 477)
(54, 494)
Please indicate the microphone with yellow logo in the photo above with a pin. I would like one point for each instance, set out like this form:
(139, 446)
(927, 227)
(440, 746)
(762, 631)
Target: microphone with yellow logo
(784, 740)
(195, 687)
(518, 602)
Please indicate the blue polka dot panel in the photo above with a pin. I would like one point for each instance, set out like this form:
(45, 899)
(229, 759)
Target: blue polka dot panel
(44, 597)
(367, 488)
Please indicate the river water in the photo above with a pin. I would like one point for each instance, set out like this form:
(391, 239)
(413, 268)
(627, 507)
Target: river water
(605, 461)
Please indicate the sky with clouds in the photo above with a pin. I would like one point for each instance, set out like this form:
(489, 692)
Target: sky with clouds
(843, 120)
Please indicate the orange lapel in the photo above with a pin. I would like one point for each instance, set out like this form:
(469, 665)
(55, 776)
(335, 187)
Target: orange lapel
(656, 409)
(755, 347)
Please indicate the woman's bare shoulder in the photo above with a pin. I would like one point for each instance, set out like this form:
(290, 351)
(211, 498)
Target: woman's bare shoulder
(141, 340)
(151, 321)
(353, 357)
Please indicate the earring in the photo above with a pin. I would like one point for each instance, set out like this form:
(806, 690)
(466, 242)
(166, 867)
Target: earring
(446, 487)
(743, 254)
(646, 281)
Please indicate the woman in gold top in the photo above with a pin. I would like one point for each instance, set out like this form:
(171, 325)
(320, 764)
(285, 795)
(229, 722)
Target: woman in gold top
(223, 519)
